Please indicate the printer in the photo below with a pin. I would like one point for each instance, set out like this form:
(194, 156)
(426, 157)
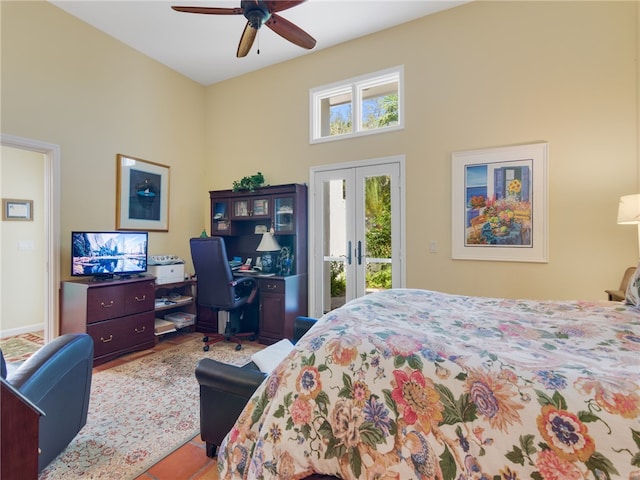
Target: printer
(166, 268)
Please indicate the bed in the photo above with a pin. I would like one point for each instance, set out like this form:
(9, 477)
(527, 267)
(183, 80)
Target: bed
(415, 384)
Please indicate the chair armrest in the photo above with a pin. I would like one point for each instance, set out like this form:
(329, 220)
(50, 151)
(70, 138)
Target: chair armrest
(228, 378)
(246, 283)
(301, 325)
(49, 364)
(224, 392)
(615, 295)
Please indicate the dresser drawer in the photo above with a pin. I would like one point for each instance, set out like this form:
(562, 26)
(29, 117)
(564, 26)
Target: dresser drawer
(121, 333)
(271, 286)
(139, 297)
(104, 303)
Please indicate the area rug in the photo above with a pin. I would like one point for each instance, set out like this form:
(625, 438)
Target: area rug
(140, 412)
(21, 347)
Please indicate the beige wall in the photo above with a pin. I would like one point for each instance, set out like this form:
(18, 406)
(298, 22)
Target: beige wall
(485, 74)
(66, 83)
(482, 75)
(22, 252)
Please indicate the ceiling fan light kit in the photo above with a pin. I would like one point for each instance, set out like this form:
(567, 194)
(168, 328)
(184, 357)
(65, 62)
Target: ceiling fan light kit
(258, 13)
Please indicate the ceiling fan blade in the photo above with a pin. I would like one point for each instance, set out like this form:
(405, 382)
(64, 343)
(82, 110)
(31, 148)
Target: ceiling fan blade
(279, 5)
(246, 40)
(209, 10)
(291, 32)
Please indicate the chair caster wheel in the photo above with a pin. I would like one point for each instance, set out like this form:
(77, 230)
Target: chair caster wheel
(205, 348)
(205, 339)
(252, 338)
(238, 347)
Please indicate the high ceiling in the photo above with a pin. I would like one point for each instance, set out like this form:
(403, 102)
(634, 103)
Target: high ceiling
(203, 47)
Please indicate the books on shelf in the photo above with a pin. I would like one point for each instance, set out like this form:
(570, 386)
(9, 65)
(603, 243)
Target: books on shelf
(171, 301)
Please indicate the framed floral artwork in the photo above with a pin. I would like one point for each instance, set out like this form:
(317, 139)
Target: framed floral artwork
(142, 196)
(499, 204)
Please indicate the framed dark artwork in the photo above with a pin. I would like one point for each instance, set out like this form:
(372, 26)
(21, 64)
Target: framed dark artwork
(142, 197)
(499, 204)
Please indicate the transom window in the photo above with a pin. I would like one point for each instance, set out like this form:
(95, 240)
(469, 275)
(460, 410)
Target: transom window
(364, 105)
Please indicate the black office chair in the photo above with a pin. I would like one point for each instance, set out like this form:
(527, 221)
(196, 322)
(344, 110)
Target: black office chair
(218, 289)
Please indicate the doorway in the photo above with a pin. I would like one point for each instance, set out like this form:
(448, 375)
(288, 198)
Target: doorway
(357, 231)
(51, 209)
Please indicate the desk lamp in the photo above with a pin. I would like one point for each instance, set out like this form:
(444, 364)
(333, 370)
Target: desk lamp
(268, 245)
(629, 212)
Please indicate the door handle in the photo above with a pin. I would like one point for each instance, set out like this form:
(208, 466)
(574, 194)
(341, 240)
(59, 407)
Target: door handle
(359, 252)
(349, 252)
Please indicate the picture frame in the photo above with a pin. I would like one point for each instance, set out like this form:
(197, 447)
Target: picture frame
(142, 195)
(500, 204)
(16, 209)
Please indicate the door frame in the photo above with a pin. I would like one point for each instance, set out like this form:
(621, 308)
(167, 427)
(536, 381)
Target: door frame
(51, 154)
(315, 247)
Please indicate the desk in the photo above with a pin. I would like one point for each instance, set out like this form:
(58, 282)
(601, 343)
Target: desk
(278, 302)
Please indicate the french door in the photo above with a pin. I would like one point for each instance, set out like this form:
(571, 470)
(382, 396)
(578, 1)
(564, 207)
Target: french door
(357, 232)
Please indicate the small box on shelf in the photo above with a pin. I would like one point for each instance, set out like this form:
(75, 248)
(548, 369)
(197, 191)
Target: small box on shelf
(181, 319)
(163, 326)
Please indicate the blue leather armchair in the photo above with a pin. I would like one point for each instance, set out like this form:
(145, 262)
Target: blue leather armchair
(57, 379)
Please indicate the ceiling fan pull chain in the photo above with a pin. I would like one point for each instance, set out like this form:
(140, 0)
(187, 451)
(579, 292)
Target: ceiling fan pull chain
(258, 49)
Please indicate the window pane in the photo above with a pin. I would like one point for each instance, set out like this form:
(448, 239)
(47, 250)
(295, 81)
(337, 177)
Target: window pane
(336, 113)
(379, 106)
(340, 119)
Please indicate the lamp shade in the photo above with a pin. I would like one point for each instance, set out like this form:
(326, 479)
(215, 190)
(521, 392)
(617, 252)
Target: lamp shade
(268, 243)
(629, 209)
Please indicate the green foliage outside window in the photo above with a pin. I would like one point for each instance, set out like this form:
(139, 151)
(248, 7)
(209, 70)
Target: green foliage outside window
(379, 112)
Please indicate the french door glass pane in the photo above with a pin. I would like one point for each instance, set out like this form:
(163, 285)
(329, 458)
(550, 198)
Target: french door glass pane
(377, 223)
(335, 244)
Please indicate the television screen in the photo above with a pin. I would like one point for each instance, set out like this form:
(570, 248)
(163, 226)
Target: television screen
(108, 253)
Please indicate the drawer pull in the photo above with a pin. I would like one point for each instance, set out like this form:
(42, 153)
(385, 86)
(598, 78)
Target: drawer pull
(140, 331)
(103, 340)
(138, 299)
(107, 305)
(271, 286)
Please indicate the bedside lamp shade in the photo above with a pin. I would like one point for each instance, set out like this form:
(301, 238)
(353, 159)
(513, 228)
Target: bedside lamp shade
(268, 244)
(629, 209)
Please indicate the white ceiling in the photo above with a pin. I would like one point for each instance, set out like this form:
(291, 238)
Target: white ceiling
(203, 47)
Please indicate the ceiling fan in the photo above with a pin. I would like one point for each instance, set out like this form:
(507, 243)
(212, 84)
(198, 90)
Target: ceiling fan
(258, 13)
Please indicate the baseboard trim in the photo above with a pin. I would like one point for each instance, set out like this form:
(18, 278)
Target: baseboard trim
(20, 330)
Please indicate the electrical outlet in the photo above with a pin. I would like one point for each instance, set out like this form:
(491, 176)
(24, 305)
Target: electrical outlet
(433, 246)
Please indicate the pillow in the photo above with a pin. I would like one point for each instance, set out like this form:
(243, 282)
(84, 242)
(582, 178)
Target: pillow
(270, 357)
(632, 295)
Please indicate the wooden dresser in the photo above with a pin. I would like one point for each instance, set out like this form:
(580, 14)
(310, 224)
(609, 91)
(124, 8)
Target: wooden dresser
(118, 314)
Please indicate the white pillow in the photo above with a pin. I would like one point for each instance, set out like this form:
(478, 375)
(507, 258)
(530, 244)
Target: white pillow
(632, 295)
(270, 357)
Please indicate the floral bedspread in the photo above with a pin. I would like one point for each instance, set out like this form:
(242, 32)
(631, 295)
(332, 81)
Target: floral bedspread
(413, 384)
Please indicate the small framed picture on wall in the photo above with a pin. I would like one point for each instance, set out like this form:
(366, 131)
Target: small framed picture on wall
(13, 209)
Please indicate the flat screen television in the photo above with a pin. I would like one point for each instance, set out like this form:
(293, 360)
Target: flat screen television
(106, 254)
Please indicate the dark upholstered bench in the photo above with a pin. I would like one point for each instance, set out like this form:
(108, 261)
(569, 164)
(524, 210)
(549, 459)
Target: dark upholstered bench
(226, 389)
